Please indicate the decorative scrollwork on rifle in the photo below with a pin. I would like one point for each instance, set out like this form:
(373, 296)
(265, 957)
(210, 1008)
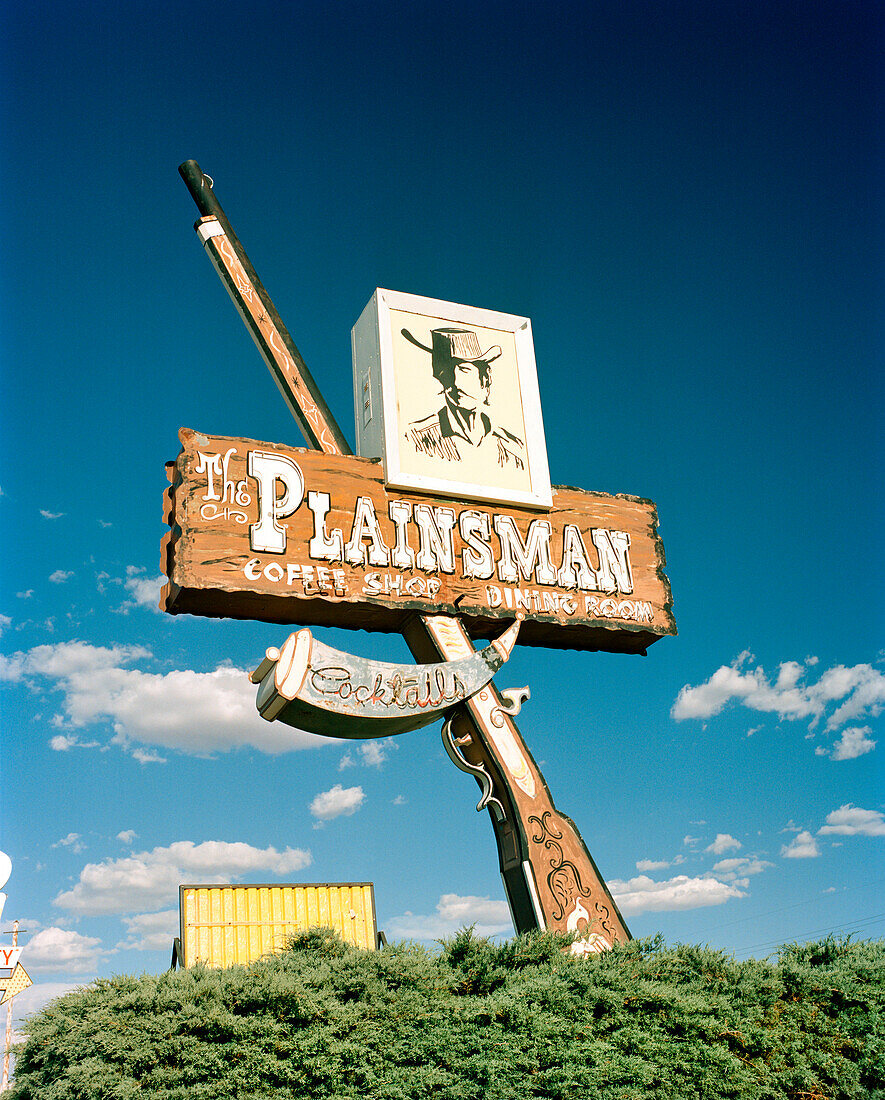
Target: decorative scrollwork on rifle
(451, 745)
(512, 704)
(513, 699)
(604, 915)
(563, 878)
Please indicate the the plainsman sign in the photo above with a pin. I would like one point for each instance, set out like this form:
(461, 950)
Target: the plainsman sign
(263, 531)
(444, 527)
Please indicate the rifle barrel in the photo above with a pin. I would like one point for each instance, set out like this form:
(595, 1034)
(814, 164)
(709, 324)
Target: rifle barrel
(202, 191)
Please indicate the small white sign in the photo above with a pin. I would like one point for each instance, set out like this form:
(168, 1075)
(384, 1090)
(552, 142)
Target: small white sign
(9, 957)
(457, 389)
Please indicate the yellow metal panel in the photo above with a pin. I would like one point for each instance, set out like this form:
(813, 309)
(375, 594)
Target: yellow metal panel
(227, 925)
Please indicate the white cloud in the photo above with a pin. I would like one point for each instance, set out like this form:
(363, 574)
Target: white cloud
(722, 843)
(802, 846)
(861, 687)
(26, 595)
(194, 712)
(11, 667)
(642, 895)
(148, 756)
(147, 880)
(73, 841)
(127, 836)
(62, 949)
(729, 870)
(854, 742)
(652, 864)
(337, 802)
(150, 931)
(453, 911)
(60, 576)
(690, 841)
(63, 742)
(68, 659)
(50, 515)
(144, 591)
(851, 820)
(5, 621)
(374, 753)
(371, 753)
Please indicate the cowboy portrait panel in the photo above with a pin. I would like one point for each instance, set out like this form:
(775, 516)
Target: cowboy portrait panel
(459, 407)
(461, 411)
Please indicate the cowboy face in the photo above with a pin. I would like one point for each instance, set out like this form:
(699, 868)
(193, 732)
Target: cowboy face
(471, 384)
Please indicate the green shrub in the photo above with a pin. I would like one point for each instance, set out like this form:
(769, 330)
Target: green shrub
(476, 1019)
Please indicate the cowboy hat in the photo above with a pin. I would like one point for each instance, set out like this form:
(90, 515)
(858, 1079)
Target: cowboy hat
(454, 345)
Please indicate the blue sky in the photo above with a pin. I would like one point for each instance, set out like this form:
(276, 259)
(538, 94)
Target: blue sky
(686, 200)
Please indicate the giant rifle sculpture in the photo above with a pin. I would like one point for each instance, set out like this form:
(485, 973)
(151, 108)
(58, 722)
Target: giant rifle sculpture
(549, 876)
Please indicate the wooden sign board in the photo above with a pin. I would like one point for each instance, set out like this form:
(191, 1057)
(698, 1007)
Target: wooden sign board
(287, 535)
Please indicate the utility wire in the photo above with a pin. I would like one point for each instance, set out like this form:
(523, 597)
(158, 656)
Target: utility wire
(861, 923)
(795, 905)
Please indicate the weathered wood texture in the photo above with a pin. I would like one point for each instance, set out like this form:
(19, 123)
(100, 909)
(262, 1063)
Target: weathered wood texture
(207, 554)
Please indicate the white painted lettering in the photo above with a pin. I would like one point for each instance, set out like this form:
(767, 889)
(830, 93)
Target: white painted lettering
(614, 573)
(393, 584)
(476, 557)
(365, 526)
(403, 557)
(268, 468)
(210, 465)
(531, 558)
(372, 584)
(575, 571)
(437, 547)
(327, 545)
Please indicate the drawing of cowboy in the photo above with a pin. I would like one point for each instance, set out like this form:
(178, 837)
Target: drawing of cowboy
(462, 426)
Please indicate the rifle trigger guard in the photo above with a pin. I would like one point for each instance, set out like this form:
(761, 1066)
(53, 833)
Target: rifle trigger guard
(450, 744)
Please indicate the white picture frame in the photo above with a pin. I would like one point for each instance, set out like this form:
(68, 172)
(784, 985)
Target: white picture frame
(457, 391)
